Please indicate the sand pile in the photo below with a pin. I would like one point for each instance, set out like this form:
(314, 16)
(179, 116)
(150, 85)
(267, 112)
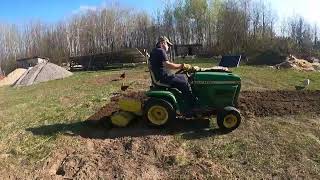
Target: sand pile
(42, 73)
(12, 77)
(298, 64)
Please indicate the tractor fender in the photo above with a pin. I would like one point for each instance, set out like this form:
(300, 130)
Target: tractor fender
(230, 108)
(165, 95)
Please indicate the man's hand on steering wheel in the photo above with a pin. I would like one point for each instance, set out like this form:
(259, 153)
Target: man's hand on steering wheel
(186, 67)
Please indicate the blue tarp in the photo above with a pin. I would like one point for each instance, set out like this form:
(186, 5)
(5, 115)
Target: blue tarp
(230, 61)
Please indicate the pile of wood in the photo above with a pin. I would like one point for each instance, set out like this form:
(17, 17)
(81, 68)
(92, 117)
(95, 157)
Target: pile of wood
(298, 64)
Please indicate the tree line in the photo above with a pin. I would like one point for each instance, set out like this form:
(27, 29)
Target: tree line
(221, 26)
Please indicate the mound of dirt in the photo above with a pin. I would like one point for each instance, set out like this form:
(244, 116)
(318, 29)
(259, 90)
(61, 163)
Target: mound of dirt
(42, 73)
(12, 77)
(278, 103)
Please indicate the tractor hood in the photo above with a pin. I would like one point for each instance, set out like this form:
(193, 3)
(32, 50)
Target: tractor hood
(216, 78)
(216, 89)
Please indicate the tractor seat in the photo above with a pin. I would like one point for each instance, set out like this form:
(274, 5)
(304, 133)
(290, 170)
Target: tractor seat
(158, 85)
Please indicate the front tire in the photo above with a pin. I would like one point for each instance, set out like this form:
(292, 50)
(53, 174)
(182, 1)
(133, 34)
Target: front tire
(229, 119)
(158, 112)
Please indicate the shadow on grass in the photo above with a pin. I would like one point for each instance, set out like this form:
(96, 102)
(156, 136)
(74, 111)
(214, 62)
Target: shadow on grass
(188, 129)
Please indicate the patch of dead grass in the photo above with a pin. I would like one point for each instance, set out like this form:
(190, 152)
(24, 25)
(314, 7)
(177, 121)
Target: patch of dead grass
(271, 147)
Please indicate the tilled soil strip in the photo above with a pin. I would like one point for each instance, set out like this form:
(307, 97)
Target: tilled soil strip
(251, 103)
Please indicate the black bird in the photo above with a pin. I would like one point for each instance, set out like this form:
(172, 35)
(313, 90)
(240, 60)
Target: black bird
(125, 87)
(123, 75)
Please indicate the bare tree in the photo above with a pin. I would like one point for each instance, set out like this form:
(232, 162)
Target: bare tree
(224, 26)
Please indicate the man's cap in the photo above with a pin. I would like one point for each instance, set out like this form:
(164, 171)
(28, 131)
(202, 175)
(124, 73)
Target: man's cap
(164, 39)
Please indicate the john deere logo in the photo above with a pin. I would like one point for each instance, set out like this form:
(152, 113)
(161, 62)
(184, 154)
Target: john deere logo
(216, 82)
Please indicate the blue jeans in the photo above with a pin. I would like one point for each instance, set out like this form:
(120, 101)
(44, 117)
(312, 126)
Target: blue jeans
(180, 82)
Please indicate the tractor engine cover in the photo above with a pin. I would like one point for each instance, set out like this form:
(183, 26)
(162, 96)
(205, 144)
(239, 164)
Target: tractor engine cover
(216, 89)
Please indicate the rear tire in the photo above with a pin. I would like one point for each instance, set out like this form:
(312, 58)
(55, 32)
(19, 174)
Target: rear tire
(229, 119)
(158, 112)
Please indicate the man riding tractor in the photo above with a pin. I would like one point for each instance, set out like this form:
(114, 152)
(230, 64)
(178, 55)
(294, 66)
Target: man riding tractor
(161, 69)
(191, 92)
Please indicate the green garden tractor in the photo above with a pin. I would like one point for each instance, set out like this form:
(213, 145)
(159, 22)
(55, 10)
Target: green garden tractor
(217, 91)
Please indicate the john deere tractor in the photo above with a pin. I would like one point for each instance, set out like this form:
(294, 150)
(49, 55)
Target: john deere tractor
(217, 91)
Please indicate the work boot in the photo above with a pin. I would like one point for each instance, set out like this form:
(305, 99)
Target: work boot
(193, 112)
(194, 108)
(189, 114)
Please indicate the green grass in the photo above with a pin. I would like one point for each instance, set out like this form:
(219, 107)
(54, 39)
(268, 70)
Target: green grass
(264, 77)
(75, 98)
(65, 101)
(267, 78)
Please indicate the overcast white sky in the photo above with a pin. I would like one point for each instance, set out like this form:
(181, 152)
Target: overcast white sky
(310, 9)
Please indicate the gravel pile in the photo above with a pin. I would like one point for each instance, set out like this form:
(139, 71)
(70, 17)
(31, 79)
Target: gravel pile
(42, 73)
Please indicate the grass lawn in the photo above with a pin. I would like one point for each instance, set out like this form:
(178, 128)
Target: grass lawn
(62, 101)
(264, 77)
(259, 144)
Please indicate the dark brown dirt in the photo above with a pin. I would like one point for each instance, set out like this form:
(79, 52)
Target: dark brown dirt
(251, 103)
(278, 103)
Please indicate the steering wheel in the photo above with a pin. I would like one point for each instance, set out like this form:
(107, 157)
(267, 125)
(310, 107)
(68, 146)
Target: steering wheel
(181, 71)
